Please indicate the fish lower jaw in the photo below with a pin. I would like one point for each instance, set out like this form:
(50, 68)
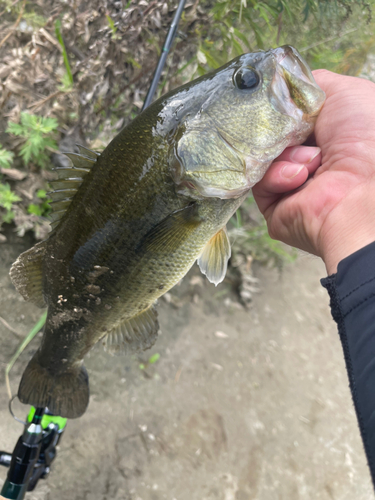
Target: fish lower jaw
(255, 170)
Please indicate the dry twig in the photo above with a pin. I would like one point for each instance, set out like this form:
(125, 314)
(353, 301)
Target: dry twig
(15, 25)
(7, 325)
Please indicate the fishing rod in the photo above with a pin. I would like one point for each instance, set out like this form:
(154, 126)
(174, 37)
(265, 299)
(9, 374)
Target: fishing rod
(36, 447)
(164, 54)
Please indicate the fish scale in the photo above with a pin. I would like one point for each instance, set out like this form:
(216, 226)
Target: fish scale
(130, 222)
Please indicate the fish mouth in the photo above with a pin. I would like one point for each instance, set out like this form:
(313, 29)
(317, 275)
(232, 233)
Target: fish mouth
(294, 90)
(293, 62)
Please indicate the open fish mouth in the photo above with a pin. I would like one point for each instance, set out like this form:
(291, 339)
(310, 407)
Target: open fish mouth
(292, 61)
(294, 89)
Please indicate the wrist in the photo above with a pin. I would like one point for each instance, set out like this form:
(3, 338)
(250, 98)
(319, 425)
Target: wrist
(337, 253)
(346, 233)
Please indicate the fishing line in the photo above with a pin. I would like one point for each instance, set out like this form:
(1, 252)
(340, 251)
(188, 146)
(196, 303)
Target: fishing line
(12, 413)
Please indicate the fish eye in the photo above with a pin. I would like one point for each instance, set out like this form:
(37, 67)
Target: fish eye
(246, 78)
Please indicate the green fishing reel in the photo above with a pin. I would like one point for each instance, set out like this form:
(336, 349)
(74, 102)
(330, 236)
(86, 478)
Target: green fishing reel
(33, 454)
(48, 419)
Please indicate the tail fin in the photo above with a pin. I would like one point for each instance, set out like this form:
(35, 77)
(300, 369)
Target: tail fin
(65, 394)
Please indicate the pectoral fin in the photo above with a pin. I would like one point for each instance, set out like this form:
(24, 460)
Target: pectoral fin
(134, 334)
(169, 235)
(213, 261)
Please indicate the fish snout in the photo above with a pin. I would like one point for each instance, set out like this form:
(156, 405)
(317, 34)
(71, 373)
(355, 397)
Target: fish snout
(297, 77)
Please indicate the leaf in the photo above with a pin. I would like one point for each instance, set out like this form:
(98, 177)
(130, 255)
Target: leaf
(41, 193)
(66, 84)
(65, 54)
(6, 157)
(15, 128)
(258, 36)
(210, 60)
(36, 131)
(7, 196)
(47, 125)
(154, 358)
(34, 209)
(200, 70)
(242, 37)
(8, 217)
(237, 47)
(111, 24)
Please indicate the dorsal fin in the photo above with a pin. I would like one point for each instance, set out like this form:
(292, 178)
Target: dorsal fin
(68, 182)
(87, 152)
(134, 334)
(67, 172)
(80, 161)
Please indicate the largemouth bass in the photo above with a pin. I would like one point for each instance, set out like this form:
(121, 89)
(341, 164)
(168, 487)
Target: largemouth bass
(130, 222)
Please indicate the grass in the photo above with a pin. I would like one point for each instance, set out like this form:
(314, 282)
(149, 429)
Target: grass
(29, 337)
(64, 52)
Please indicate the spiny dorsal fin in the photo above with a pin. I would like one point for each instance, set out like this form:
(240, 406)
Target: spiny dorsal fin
(87, 152)
(134, 334)
(68, 172)
(213, 261)
(68, 182)
(81, 161)
(27, 274)
(62, 194)
(71, 183)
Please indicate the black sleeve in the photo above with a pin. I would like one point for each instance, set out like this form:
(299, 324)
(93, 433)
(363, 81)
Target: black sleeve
(352, 294)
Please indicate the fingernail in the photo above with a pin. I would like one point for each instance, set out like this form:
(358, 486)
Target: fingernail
(304, 154)
(291, 170)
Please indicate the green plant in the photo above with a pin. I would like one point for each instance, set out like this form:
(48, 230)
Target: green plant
(36, 131)
(65, 83)
(331, 33)
(6, 157)
(112, 26)
(41, 209)
(151, 360)
(64, 52)
(7, 199)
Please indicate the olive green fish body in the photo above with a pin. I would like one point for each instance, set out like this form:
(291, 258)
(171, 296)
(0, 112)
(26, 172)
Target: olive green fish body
(130, 222)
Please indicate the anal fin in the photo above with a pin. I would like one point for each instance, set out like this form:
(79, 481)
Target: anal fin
(27, 274)
(213, 261)
(134, 334)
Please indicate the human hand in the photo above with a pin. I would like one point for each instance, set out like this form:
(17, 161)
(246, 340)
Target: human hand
(323, 200)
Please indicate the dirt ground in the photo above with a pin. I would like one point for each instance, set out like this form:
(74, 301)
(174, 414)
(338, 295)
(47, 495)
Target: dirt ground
(259, 411)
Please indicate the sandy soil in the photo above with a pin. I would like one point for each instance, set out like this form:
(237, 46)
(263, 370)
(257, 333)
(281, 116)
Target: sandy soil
(262, 413)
